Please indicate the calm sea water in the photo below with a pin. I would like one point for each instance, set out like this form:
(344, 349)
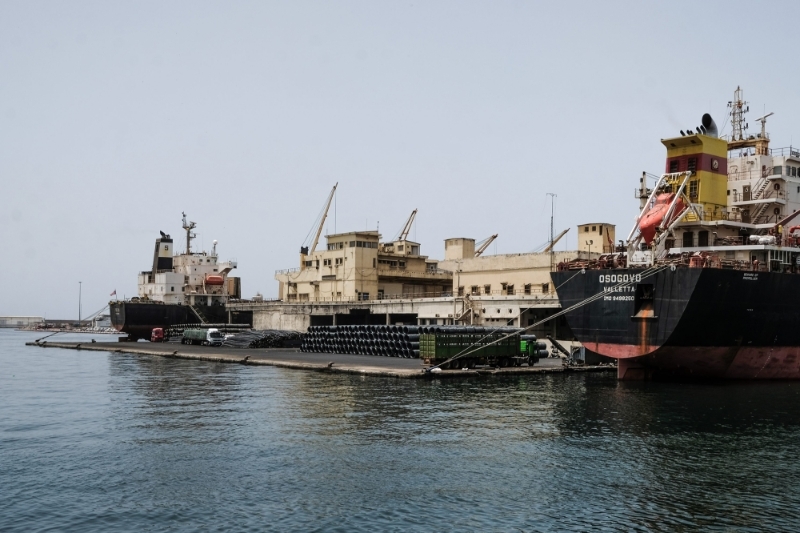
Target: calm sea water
(94, 441)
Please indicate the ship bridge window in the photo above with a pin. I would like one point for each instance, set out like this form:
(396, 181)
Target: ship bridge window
(777, 171)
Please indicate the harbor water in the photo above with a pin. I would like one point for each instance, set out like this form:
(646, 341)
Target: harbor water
(94, 441)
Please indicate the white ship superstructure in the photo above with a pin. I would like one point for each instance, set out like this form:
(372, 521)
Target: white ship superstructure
(731, 198)
(189, 278)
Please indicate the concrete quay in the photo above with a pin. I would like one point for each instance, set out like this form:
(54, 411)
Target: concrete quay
(366, 365)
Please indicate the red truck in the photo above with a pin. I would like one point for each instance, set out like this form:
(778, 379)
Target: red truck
(157, 335)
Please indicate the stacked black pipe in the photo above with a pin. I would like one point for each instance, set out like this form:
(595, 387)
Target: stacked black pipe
(265, 338)
(387, 341)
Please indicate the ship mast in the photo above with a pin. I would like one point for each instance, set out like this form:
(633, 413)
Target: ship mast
(189, 226)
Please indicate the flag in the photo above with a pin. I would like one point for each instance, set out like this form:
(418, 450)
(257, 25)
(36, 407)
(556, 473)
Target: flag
(113, 293)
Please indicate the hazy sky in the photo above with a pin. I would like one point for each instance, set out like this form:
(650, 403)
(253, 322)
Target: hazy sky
(117, 116)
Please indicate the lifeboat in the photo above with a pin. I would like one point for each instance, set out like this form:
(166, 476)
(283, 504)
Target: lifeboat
(654, 218)
(214, 280)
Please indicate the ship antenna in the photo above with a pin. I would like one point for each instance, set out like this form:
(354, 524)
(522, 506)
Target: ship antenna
(189, 226)
(738, 109)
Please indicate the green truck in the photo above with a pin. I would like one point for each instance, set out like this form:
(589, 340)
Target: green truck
(205, 337)
(479, 346)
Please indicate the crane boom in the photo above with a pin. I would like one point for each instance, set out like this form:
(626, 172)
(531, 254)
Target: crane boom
(324, 216)
(407, 228)
(555, 240)
(484, 244)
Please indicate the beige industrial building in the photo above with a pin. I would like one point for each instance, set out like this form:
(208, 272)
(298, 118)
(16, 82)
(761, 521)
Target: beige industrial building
(357, 267)
(357, 279)
(597, 237)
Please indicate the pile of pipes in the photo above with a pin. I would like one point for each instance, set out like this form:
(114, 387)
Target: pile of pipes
(387, 341)
(263, 338)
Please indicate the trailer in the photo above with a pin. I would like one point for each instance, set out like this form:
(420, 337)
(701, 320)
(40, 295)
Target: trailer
(204, 337)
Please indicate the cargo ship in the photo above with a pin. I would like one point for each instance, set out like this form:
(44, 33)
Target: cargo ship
(707, 284)
(185, 288)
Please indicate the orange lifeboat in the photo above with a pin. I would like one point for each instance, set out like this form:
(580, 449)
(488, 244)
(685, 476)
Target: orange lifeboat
(214, 280)
(654, 218)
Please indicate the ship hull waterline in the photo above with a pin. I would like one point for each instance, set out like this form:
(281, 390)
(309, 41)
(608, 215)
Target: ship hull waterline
(688, 323)
(138, 319)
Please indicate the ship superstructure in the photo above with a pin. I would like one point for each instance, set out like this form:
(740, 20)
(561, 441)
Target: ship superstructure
(188, 278)
(729, 199)
(706, 284)
(181, 288)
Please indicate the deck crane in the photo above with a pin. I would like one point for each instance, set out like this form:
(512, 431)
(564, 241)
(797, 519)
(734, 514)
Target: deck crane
(484, 244)
(304, 250)
(555, 240)
(407, 228)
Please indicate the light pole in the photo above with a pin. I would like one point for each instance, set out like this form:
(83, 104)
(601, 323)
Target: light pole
(455, 291)
(80, 290)
(590, 243)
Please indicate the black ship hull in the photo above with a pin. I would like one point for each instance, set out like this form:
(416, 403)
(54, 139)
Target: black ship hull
(138, 319)
(688, 322)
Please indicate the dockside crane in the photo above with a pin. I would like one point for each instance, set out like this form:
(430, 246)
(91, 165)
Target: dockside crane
(407, 228)
(304, 250)
(484, 244)
(555, 240)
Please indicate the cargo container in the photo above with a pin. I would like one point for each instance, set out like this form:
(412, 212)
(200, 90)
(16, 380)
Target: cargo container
(482, 347)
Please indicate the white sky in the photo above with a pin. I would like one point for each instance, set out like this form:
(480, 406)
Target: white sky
(117, 116)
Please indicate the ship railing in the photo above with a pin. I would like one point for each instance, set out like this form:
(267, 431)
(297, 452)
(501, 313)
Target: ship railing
(788, 151)
(287, 271)
(751, 174)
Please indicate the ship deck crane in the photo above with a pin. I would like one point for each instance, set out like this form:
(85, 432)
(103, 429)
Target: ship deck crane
(484, 244)
(407, 228)
(305, 250)
(555, 241)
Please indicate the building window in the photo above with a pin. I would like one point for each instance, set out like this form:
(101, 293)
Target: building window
(545, 288)
(374, 262)
(461, 291)
(527, 288)
(692, 164)
(400, 247)
(326, 262)
(363, 296)
(509, 290)
(402, 264)
(352, 244)
(693, 189)
(475, 290)
(586, 229)
(594, 228)
(777, 171)
(487, 289)
(673, 166)
(172, 289)
(309, 263)
(339, 261)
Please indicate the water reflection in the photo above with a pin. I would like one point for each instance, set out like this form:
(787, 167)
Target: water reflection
(90, 441)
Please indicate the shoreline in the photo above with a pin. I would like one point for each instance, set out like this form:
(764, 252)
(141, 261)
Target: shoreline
(365, 365)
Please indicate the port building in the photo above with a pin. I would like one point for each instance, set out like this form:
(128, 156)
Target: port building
(357, 279)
